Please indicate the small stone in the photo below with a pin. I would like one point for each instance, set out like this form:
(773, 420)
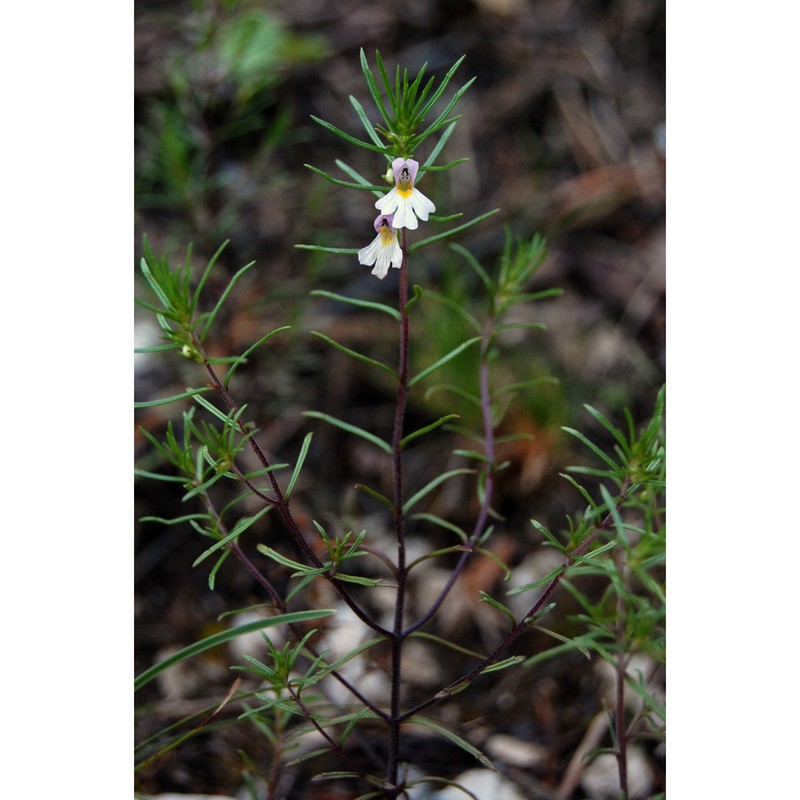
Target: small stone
(484, 784)
(515, 752)
(601, 778)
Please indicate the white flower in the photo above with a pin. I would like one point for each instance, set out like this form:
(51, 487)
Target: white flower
(404, 201)
(384, 250)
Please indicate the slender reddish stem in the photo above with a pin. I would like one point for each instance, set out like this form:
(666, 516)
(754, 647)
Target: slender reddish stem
(283, 506)
(397, 637)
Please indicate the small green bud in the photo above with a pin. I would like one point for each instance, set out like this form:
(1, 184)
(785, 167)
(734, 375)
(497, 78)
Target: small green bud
(192, 353)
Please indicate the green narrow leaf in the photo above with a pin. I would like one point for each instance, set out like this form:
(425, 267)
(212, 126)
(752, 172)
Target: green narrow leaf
(429, 161)
(238, 530)
(308, 756)
(165, 326)
(153, 309)
(213, 409)
(611, 504)
(487, 598)
(418, 293)
(410, 94)
(513, 326)
(226, 636)
(444, 167)
(600, 473)
(339, 251)
(586, 496)
(174, 520)
(289, 562)
(372, 85)
(243, 357)
(456, 548)
(592, 446)
(591, 556)
(452, 231)
(504, 664)
(341, 576)
(583, 644)
(549, 536)
(425, 722)
(537, 615)
(347, 137)
(282, 559)
(444, 359)
(474, 454)
(377, 495)
(497, 560)
(165, 400)
(356, 355)
(359, 715)
(443, 523)
(392, 312)
(422, 431)
(544, 581)
(149, 277)
(528, 297)
(223, 297)
(456, 390)
(514, 387)
(442, 120)
(366, 123)
(143, 473)
(475, 264)
(203, 487)
(653, 429)
(431, 485)
(377, 191)
(212, 576)
(390, 92)
(299, 465)
(456, 307)
(442, 86)
(612, 429)
(348, 184)
(446, 643)
(206, 273)
(420, 101)
(157, 348)
(354, 429)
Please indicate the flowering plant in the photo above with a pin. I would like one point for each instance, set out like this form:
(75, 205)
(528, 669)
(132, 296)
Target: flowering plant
(308, 698)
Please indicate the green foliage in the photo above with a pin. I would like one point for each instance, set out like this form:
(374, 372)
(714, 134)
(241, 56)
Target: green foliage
(182, 325)
(225, 636)
(629, 616)
(403, 106)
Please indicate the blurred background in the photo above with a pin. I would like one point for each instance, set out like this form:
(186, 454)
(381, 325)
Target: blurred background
(564, 129)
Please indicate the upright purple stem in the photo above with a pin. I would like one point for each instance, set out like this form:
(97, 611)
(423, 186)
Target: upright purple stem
(621, 667)
(399, 527)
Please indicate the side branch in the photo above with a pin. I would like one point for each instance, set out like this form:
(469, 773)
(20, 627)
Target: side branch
(466, 679)
(283, 506)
